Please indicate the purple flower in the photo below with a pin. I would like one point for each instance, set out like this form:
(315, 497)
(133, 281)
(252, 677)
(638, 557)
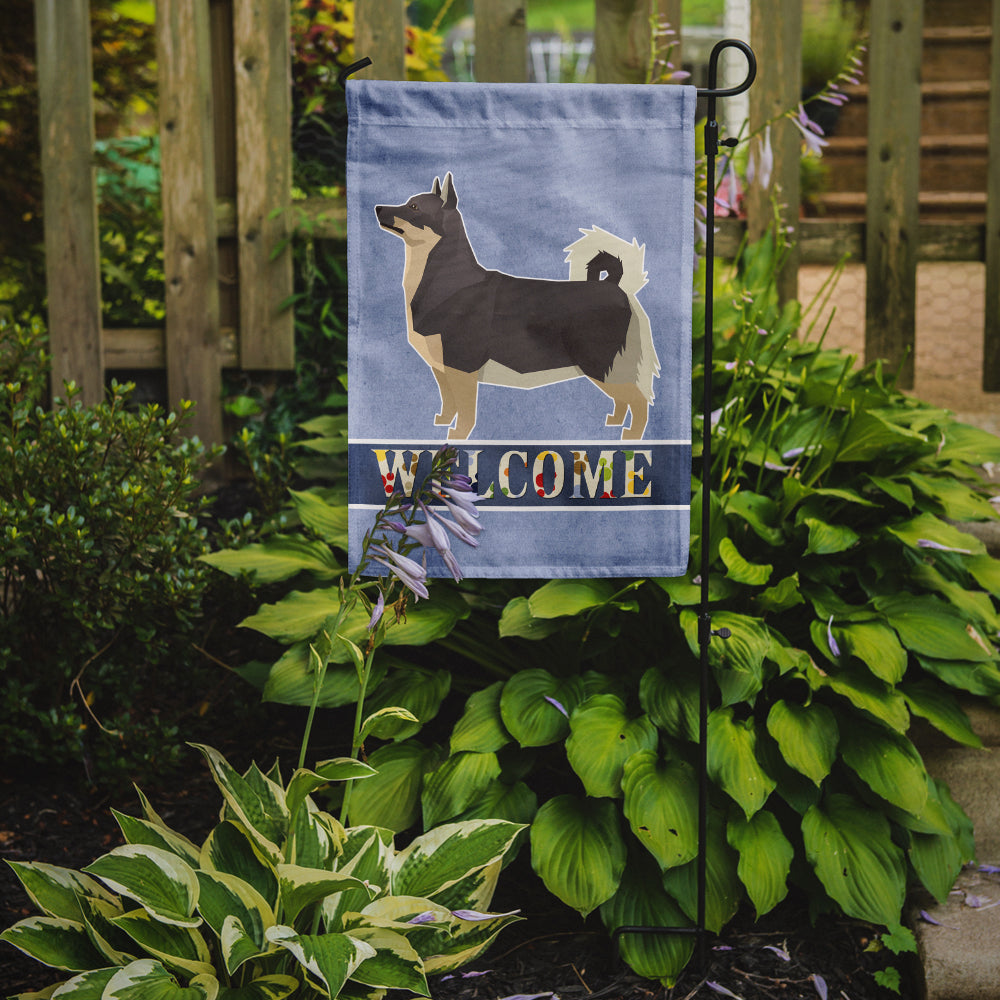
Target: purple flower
(427, 917)
(761, 163)
(377, 611)
(780, 952)
(409, 572)
(558, 705)
(475, 915)
(927, 543)
(811, 132)
(820, 983)
(719, 988)
(834, 648)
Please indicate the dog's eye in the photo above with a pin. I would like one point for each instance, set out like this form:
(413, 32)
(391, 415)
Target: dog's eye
(414, 206)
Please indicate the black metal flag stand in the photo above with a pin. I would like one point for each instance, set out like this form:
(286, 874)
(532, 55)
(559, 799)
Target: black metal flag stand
(705, 631)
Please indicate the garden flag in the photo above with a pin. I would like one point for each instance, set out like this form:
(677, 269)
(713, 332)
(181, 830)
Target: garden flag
(520, 274)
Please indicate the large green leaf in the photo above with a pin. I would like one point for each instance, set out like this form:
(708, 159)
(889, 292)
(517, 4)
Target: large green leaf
(661, 799)
(481, 728)
(732, 760)
(147, 979)
(941, 709)
(932, 628)
(456, 785)
(578, 851)
(866, 692)
(758, 511)
(280, 557)
(391, 798)
(976, 678)
(807, 736)
(516, 803)
(304, 782)
(850, 848)
(723, 889)
(328, 520)
(876, 646)
(330, 959)
(535, 706)
(602, 738)
(828, 539)
(440, 858)
(956, 500)
(559, 598)
(292, 679)
(640, 901)
(517, 620)
(739, 569)
(870, 435)
(419, 690)
(888, 763)
(927, 528)
(765, 858)
(738, 661)
(670, 698)
(54, 941)
(164, 885)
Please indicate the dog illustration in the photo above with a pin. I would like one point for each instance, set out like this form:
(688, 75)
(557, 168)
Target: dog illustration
(472, 325)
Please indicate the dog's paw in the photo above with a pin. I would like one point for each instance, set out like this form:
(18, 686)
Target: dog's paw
(440, 420)
(613, 420)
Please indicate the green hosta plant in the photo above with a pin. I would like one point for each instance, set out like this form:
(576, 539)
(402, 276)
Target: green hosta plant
(279, 900)
(855, 605)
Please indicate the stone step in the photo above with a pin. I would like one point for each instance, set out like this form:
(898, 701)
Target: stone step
(947, 163)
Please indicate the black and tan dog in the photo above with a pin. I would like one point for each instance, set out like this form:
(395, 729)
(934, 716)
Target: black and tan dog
(473, 325)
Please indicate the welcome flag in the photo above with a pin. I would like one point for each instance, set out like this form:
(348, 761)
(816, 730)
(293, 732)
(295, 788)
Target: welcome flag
(520, 261)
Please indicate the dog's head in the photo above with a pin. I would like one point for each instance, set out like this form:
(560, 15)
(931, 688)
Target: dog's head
(424, 217)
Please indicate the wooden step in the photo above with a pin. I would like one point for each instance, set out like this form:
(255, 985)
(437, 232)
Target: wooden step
(947, 162)
(956, 53)
(945, 104)
(957, 206)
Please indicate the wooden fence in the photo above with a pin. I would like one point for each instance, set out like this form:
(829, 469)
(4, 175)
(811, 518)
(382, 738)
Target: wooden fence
(226, 161)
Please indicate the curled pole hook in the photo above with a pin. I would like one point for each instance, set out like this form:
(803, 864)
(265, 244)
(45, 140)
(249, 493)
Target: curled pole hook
(353, 68)
(713, 91)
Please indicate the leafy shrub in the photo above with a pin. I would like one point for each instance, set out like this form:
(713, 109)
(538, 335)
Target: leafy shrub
(99, 539)
(279, 899)
(854, 604)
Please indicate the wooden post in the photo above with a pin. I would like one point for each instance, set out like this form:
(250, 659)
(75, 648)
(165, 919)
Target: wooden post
(501, 54)
(893, 183)
(991, 333)
(72, 256)
(190, 254)
(380, 34)
(621, 40)
(776, 35)
(262, 60)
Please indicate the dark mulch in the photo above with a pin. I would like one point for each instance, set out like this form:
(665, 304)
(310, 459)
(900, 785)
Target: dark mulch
(551, 951)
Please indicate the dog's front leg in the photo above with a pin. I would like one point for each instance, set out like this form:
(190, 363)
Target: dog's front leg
(459, 397)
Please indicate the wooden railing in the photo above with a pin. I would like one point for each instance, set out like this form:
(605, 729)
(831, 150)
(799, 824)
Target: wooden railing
(226, 161)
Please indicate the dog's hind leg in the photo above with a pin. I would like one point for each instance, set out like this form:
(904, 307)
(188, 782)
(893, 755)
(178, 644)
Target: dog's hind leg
(625, 398)
(449, 405)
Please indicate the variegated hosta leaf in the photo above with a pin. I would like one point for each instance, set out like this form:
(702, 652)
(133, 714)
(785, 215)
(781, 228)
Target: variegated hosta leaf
(732, 760)
(141, 831)
(888, 763)
(147, 979)
(56, 891)
(329, 959)
(177, 947)
(661, 799)
(86, 986)
(765, 858)
(98, 915)
(723, 889)
(367, 853)
(602, 737)
(642, 902)
(391, 799)
(535, 706)
(54, 941)
(481, 727)
(807, 736)
(850, 847)
(230, 849)
(158, 880)
(476, 890)
(225, 897)
(441, 857)
(300, 887)
(304, 782)
(395, 964)
(256, 801)
(315, 838)
(465, 942)
(457, 784)
(578, 851)
(273, 987)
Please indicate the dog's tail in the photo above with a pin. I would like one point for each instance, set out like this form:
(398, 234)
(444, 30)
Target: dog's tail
(606, 264)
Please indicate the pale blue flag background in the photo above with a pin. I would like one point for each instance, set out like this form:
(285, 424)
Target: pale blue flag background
(532, 167)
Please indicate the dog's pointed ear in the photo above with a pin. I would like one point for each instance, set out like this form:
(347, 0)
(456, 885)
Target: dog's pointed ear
(448, 194)
(436, 189)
